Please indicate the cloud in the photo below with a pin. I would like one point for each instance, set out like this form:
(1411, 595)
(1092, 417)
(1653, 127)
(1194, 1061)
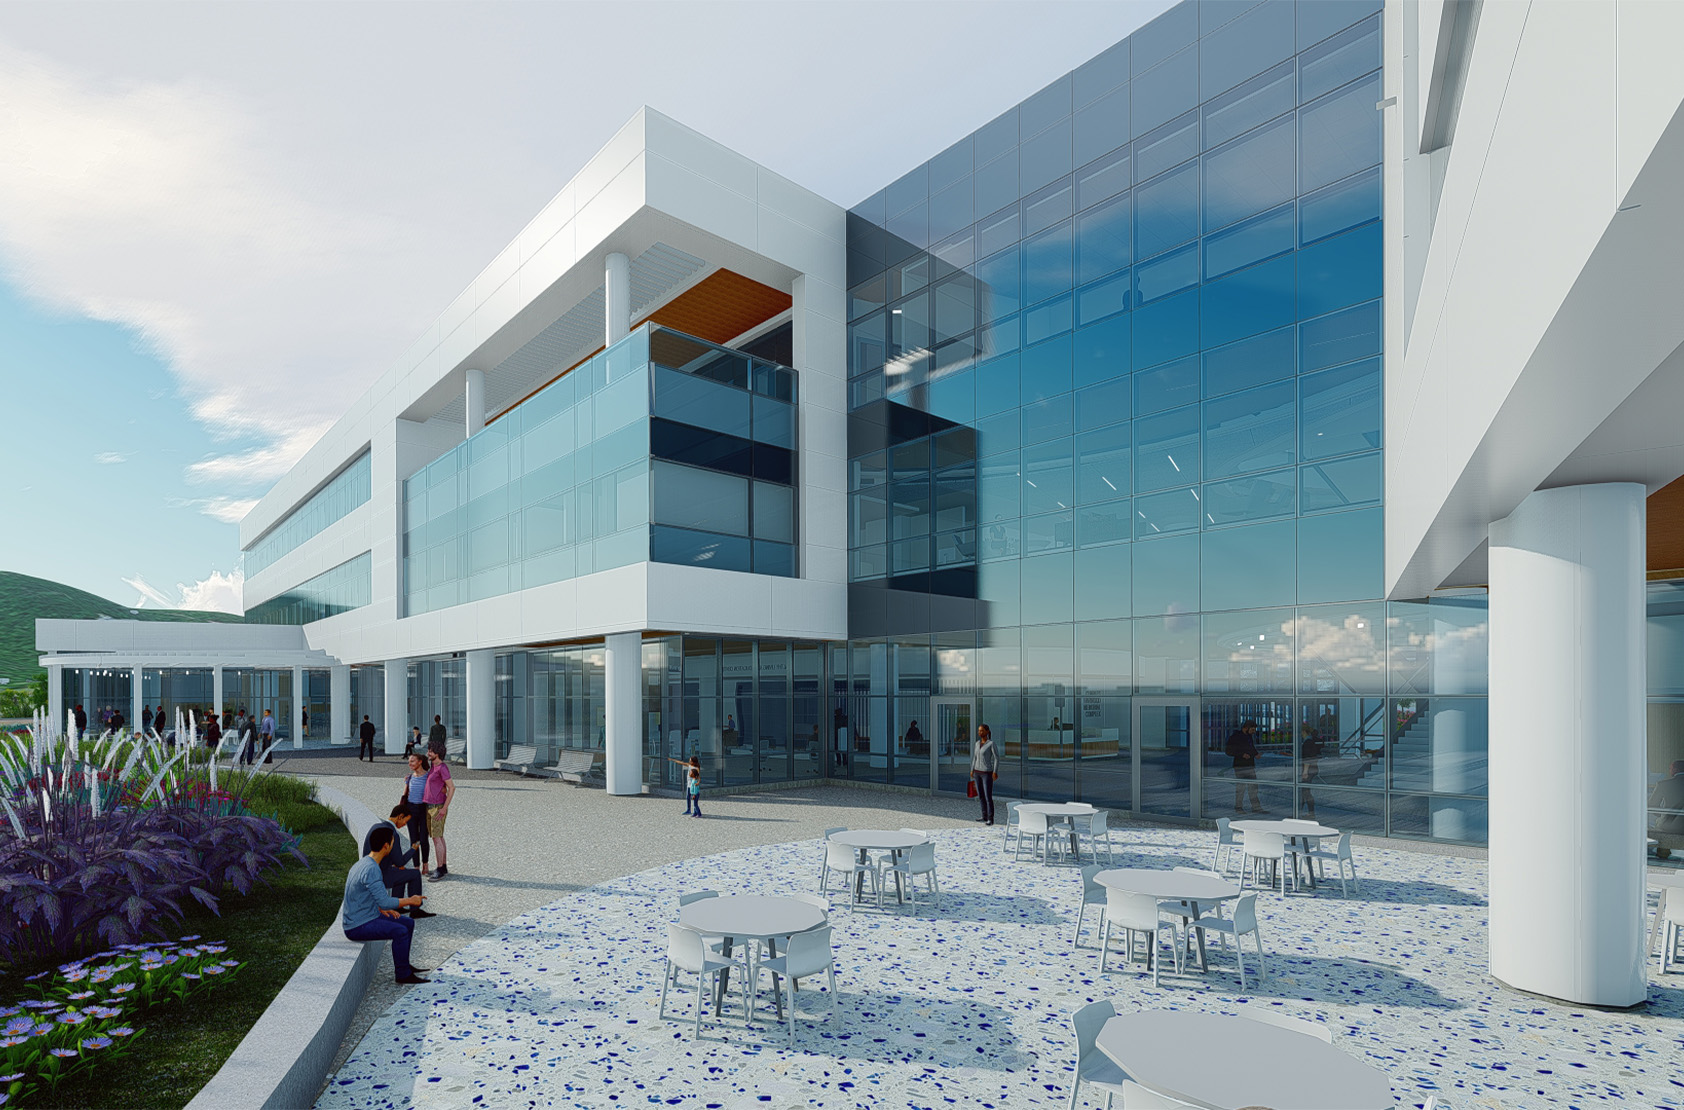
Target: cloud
(109, 458)
(258, 466)
(228, 510)
(219, 593)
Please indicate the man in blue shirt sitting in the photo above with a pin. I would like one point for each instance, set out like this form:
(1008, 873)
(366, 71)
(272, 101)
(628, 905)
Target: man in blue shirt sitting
(372, 914)
(398, 870)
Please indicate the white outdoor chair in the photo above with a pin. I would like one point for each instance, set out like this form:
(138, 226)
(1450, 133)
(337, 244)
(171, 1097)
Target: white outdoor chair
(716, 944)
(1011, 825)
(805, 954)
(1244, 921)
(1270, 1016)
(1184, 909)
(845, 858)
(1259, 848)
(822, 841)
(1095, 827)
(1341, 858)
(687, 951)
(1672, 930)
(920, 859)
(1093, 1067)
(1226, 844)
(1093, 894)
(1136, 913)
(1035, 827)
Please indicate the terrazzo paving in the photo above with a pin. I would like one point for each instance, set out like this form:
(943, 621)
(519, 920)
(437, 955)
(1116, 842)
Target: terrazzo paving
(968, 1005)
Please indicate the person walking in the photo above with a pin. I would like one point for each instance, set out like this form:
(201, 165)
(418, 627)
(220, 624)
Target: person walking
(365, 732)
(266, 734)
(213, 733)
(414, 796)
(248, 737)
(436, 737)
(1242, 749)
(396, 870)
(371, 913)
(437, 795)
(985, 771)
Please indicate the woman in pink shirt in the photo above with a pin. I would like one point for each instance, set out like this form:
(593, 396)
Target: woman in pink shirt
(436, 797)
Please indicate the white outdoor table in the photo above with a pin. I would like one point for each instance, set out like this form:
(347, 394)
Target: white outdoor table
(1174, 886)
(1667, 884)
(749, 917)
(877, 840)
(1060, 809)
(1294, 832)
(1229, 1062)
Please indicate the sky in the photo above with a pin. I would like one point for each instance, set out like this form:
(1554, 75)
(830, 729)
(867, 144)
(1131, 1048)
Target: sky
(220, 222)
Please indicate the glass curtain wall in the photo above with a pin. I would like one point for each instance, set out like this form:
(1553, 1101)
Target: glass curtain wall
(1665, 787)
(368, 698)
(99, 691)
(439, 688)
(318, 698)
(344, 492)
(350, 585)
(255, 690)
(189, 690)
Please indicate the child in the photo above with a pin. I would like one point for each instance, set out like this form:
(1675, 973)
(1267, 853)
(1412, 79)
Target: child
(692, 785)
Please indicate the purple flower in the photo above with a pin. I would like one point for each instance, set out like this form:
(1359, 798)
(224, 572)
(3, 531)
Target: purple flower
(37, 975)
(122, 988)
(124, 1031)
(11, 1078)
(230, 963)
(35, 1004)
(12, 1042)
(79, 995)
(71, 966)
(195, 936)
(43, 1029)
(7, 1011)
(96, 1042)
(71, 1017)
(103, 1012)
(63, 1053)
(213, 970)
(188, 975)
(19, 1025)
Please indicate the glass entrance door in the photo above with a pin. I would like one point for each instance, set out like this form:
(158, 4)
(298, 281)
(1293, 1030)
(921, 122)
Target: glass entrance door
(950, 742)
(1166, 756)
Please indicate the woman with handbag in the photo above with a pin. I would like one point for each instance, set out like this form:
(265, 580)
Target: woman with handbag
(414, 790)
(985, 769)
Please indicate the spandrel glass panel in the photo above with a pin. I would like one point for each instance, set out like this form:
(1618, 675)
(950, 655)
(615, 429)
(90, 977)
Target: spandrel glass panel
(1104, 656)
(1249, 431)
(1049, 532)
(1165, 91)
(1260, 99)
(1339, 134)
(1166, 449)
(1048, 264)
(1341, 556)
(1341, 410)
(1166, 576)
(1049, 318)
(868, 345)
(700, 499)
(1438, 647)
(1318, 21)
(995, 183)
(999, 291)
(1342, 205)
(912, 188)
(1259, 497)
(1110, 523)
(1105, 298)
(1167, 211)
(951, 165)
(1166, 387)
(1251, 301)
(1249, 566)
(1045, 108)
(1048, 207)
(1103, 579)
(702, 403)
(911, 460)
(774, 512)
(1164, 514)
(1251, 241)
(1047, 477)
(1248, 363)
(1100, 405)
(1046, 157)
(1342, 483)
(1255, 41)
(997, 385)
(1100, 74)
(1048, 588)
(1170, 145)
(1166, 653)
(1347, 55)
(1338, 272)
(1046, 370)
(955, 308)
(1166, 329)
(1250, 174)
(997, 487)
(1439, 746)
(1342, 649)
(774, 422)
(1053, 418)
(910, 228)
(1102, 350)
(1102, 126)
(1103, 179)
(1341, 337)
(868, 296)
(1249, 653)
(951, 210)
(1103, 464)
(1167, 274)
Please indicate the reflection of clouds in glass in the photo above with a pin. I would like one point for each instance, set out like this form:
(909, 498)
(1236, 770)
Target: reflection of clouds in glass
(1349, 648)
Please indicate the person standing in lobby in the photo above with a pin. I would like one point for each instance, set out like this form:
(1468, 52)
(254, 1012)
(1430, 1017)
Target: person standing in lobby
(436, 737)
(365, 732)
(985, 771)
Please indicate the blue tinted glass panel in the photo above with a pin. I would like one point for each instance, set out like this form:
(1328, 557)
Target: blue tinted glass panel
(995, 183)
(1255, 498)
(1102, 126)
(1100, 75)
(1318, 20)
(951, 210)
(996, 137)
(1345, 56)
(1249, 431)
(868, 343)
(1166, 329)
(953, 397)
(1341, 337)
(1166, 449)
(1047, 477)
(951, 165)
(774, 558)
(1106, 403)
(910, 229)
(1166, 576)
(1250, 362)
(703, 549)
(1046, 370)
(1341, 556)
(1339, 272)
(1167, 274)
(344, 492)
(1167, 211)
(1102, 465)
(1339, 134)
(1250, 301)
(1107, 523)
(1049, 532)
(1045, 108)
(1164, 514)
(1342, 410)
(1262, 98)
(955, 308)
(1167, 387)
(1048, 264)
(1170, 145)
(701, 403)
(1049, 318)
(1250, 566)
(1102, 581)
(1046, 157)
(1049, 592)
(1165, 35)
(1104, 242)
(689, 497)
(1254, 172)
(1049, 206)
(911, 189)
(1105, 178)
(1342, 483)
(999, 289)
(1245, 243)
(1105, 298)
(1342, 205)
(997, 231)
(1250, 44)
(1048, 419)
(1103, 350)
(1165, 92)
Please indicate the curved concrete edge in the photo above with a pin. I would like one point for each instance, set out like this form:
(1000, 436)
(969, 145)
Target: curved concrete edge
(281, 1063)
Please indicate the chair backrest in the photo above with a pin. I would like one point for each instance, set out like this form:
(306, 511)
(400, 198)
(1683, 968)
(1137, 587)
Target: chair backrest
(1097, 821)
(1286, 1021)
(1245, 914)
(1092, 890)
(696, 896)
(1034, 822)
(1224, 831)
(837, 854)
(809, 952)
(828, 833)
(916, 832)
(1131, 910)
(1674, 907)
(921, 858)
(811, 900)
(685, 948)
(1089, 1020)
(1264, 845)
(1011, 812)
(1344, 845)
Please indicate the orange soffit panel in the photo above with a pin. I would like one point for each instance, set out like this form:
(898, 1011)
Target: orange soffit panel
(1666, 528)
(721, 307)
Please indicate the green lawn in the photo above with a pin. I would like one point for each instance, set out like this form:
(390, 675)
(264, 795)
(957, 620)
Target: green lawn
(270, 931)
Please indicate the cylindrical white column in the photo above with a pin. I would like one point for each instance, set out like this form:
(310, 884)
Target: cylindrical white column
(216, 692)
(622, 719)
(473, 402)
(617, 297)
(55, 699)
(1567, 745)
(298, 695)
(482, 708)
(396, 724)
(136, 725)
(339, 705)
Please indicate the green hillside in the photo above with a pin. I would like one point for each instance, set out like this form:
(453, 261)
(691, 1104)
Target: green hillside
(23, 599)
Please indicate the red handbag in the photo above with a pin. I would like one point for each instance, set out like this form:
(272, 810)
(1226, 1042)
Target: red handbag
(970, 788)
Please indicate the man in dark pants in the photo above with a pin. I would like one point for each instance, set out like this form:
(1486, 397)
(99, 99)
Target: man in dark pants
(1242, 748)
(436, 737)
(370, 913)
(397, 870)
(366, 732)
(985, 771)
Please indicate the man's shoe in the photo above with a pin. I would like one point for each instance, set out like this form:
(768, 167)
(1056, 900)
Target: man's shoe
(422, 913)
(441, 873)
(412, 979)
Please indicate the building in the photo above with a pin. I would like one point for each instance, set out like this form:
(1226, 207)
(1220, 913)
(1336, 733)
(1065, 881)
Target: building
(1113, 426)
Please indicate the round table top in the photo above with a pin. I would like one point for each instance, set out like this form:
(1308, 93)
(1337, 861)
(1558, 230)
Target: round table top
(885, 839)
(750, 916)
(1285, 828)
(1171, 1052)
(1057, 809)
(1168, 885)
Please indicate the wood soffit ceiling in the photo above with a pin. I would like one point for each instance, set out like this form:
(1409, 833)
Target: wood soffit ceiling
(1666, 531)
(721, 307)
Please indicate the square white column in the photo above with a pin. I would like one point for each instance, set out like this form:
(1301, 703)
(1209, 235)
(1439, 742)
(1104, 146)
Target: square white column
(298, 707)
(56, 719)
(339, 705)
(135, 724)
(216, 691)
(396, 725)
(623, 679)
(482, 709)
